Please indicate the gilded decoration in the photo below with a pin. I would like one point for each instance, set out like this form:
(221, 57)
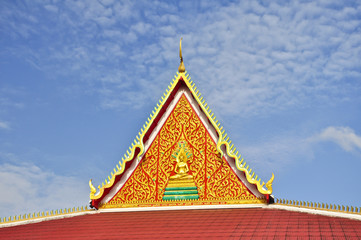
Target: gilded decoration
(181, 185)
(213, 177)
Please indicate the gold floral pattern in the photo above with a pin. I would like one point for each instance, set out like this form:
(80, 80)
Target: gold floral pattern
(212, 174)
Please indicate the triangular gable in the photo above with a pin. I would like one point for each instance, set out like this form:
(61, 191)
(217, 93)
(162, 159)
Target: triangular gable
(150, 173)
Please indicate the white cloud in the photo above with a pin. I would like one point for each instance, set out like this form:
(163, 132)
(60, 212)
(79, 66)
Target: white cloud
(280, 151)
(345, 137)
(107, 2)
(267, 57)
(268, 67)
(141, 27)
(51, 8)
(26, 188)
(276, 153)
(4, 125)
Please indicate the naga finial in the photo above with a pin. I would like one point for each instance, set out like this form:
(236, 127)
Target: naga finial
(181, 67)
(92, 189)
(269, 183)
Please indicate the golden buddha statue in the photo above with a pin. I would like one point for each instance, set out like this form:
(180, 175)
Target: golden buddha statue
(181, 185)
(181, 168)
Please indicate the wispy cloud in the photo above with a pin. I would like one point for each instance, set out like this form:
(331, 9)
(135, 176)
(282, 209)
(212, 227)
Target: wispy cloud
(345, 137)
(9, 98)
(282, 151)
(28, 188)
(4, 125)
(266, 56)
(273, 57)
(7, 103)
(277, 153)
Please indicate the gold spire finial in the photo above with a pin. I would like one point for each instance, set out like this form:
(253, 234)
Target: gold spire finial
(181, 67)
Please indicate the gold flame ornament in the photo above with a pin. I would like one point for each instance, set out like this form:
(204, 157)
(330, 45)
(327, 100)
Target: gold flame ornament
(181, 67)
(92, 189)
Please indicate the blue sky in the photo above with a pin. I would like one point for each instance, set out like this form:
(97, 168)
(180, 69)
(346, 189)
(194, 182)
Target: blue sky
(79, 78)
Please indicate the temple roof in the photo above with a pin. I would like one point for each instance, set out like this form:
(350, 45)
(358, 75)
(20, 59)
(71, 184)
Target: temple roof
(118, 215)
(249, 223)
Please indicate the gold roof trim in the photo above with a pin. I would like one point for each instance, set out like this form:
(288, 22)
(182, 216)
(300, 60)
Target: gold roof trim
(185, 202)
(222, 140)
(46, 214)
(319, 206)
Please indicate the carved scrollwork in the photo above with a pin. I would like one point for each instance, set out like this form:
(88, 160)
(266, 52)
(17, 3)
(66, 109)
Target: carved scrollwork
(212, 174)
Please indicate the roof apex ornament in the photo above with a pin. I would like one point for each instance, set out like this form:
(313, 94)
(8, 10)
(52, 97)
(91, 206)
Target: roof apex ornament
(181, 67)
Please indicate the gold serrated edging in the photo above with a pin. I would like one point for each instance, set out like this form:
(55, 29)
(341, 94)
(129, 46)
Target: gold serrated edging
(318, 206)
(222, 140)
(46, 214)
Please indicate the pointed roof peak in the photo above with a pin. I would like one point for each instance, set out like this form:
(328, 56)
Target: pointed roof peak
(181, 67)
(225, 149)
